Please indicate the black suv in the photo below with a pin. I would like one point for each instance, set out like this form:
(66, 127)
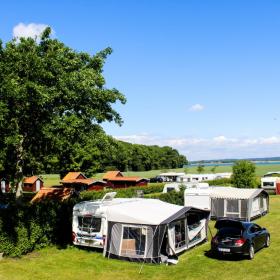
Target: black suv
(236, 237)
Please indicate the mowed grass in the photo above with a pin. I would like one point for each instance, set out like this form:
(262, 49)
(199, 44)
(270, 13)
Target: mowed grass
(73, 263)
(54, 179)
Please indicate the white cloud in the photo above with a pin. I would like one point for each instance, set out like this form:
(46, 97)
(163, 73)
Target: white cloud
(32, 30)
(218, 147)
(196, 108)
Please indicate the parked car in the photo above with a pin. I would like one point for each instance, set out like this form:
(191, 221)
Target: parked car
(237, 237)
(156, 179)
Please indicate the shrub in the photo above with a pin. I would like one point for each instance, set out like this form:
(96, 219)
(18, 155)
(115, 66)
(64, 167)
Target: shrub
(243, 174)
(26, 227)
(220, 182)
(126, 193)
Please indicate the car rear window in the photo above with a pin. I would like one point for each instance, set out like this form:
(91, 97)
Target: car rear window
(229, 231)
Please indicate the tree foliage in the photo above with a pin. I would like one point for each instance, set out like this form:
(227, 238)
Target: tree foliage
(52, 99)
(243, 174)
(52, 102)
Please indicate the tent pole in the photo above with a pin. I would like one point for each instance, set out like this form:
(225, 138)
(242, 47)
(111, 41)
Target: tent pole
(142, 264)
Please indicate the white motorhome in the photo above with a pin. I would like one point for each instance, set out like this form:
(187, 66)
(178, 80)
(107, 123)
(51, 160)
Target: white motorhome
(138, 229)
(269, 183)
(205, 177)
(176, 186)
(172, 176)
(89, 226)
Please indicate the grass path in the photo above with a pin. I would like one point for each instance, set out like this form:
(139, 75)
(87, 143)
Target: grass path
(73, 263)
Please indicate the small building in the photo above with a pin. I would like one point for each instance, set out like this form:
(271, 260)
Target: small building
(115, 179)
(240, 204)
(59, 194)
(111, 175)
(5, 185)
(79, 182)
(32, 184)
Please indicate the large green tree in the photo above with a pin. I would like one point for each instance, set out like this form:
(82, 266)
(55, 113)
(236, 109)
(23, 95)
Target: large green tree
(52, 100)
(243, 174)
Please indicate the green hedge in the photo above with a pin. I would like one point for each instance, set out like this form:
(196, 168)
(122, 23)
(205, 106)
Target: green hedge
(25, 227)
(220, 182)
(127, 192)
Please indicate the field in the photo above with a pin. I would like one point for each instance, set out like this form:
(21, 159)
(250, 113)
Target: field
(53, 179)
(73, 263)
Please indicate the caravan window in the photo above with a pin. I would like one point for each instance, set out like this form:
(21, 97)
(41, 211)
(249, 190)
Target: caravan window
(133, 241)
(89, 224)
(180, 233)
(268, 184)
(233, 208)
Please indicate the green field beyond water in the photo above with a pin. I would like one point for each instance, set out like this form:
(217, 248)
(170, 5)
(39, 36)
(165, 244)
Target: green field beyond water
(53, 179)
(73, 263)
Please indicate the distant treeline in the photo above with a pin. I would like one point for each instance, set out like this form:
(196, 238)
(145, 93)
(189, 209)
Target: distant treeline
(100, 152)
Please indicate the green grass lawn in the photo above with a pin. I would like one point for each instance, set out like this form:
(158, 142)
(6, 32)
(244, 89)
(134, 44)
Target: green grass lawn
(53, 179)
(73, 263)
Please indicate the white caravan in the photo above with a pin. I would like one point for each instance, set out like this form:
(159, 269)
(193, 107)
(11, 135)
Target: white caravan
(269, 183)
(137, 228)
(205, 177)
(172, 176)
(89, 226)
(176, 186)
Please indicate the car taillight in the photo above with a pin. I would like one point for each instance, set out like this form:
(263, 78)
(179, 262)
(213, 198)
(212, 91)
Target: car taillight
(73, 236)
(239, 242)
(215, 240)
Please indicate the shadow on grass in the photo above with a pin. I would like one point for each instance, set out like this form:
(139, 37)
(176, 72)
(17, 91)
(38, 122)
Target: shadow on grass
(224, 257)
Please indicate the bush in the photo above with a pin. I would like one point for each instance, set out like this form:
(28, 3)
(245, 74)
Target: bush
(26, 227)
(126, 193)
(220, 182)
(243, 174)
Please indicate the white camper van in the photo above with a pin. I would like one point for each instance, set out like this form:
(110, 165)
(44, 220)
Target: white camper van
(89, 226)
(137, 229)
(176, 186)
(269, 183)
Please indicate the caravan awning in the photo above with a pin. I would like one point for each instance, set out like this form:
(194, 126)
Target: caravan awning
(234, 193)
(143, 211)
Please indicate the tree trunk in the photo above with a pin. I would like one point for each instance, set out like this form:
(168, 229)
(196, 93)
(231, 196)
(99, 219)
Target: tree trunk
(19, 169)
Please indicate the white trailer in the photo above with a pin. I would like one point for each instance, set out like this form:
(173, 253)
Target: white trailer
(269, 183)
(176, 186)
(205, 177)
(89, 225)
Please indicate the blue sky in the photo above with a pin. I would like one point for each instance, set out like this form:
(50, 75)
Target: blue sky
(201, 76)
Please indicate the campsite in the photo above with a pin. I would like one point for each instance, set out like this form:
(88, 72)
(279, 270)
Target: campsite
(139, 140)
(74, 263)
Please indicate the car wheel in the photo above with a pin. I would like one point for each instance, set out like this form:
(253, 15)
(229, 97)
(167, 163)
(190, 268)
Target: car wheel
(267, 242)
(251, 252)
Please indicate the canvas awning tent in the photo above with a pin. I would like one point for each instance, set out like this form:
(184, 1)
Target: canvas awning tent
(147, 229)
(241, 204)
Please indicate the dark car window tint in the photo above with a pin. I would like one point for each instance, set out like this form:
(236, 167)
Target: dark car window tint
(254, 228)
(230, 231)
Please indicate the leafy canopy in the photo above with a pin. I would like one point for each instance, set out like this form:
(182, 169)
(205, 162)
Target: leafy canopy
(243, 174)
(52, 100)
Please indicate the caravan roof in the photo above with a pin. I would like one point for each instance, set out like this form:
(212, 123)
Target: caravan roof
(234, 193)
